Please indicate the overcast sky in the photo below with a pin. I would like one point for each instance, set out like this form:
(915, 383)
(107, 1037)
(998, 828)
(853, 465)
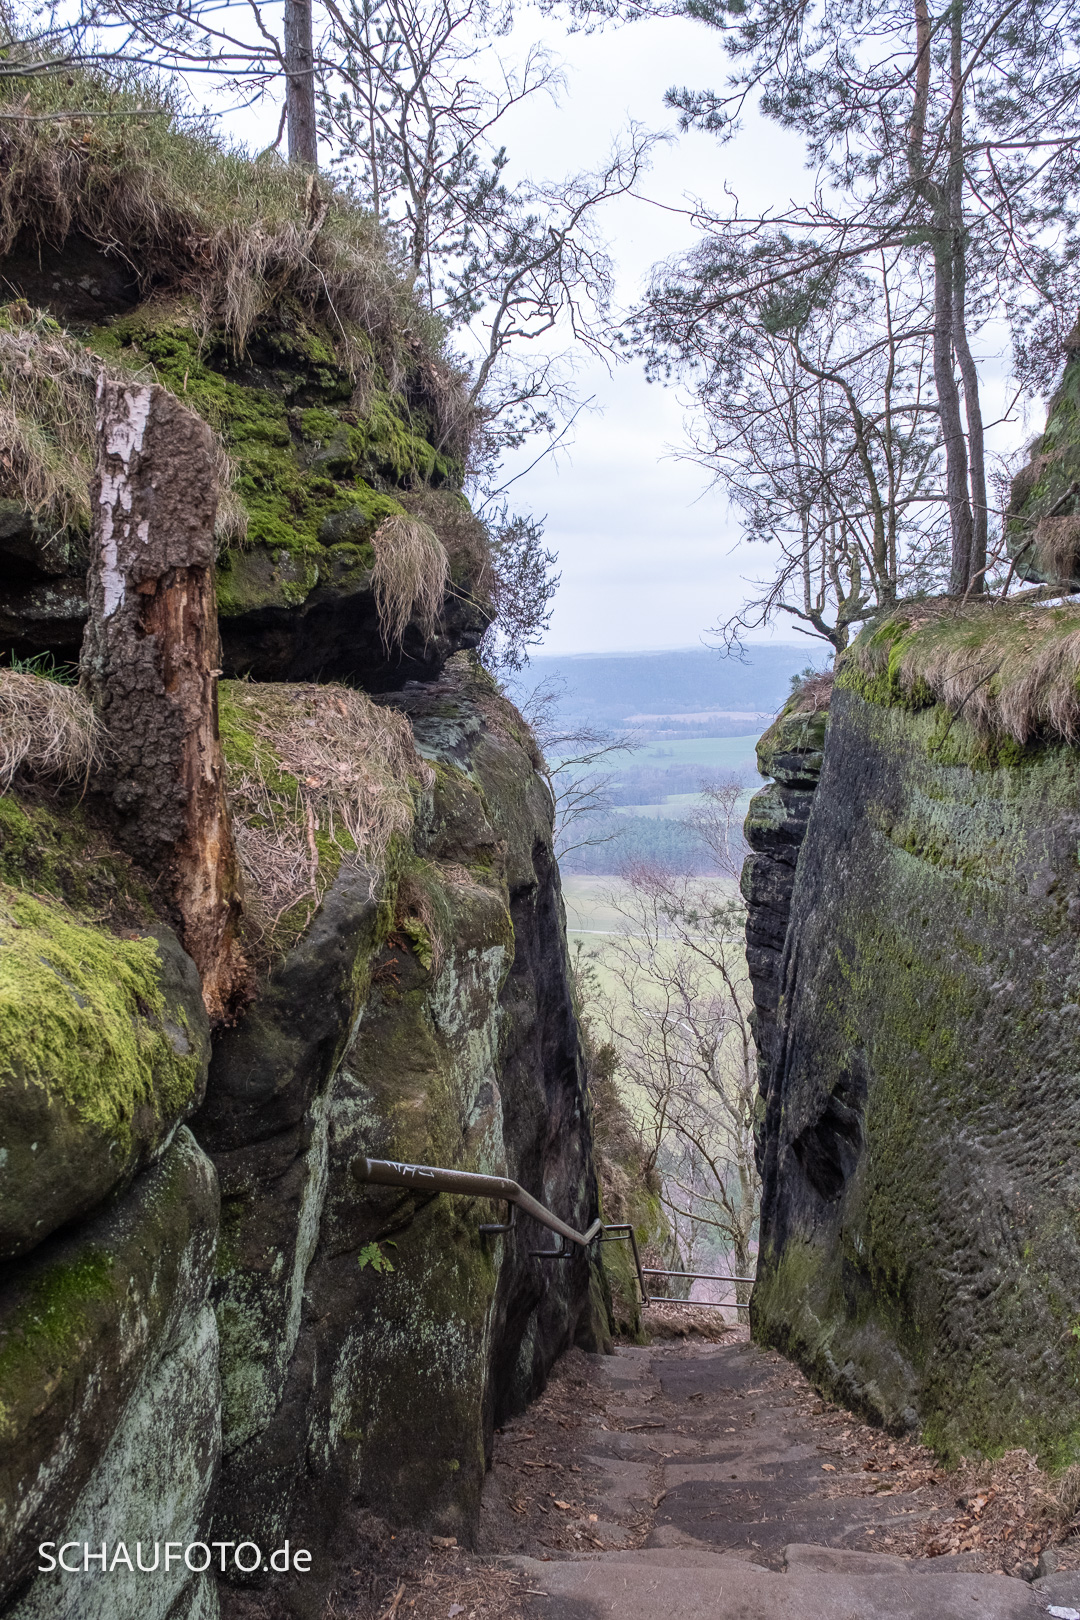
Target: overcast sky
(650, 556)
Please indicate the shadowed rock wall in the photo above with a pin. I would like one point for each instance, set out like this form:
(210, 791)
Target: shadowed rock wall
(791, 752)
(919, 1243)
(331, 1347)
(209, 1330)
(376, 1386)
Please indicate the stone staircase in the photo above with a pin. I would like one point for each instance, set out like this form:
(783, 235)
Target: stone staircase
(712, 1501)
(817, 1583)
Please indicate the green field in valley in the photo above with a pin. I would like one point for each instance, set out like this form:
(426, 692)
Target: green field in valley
(719, 753)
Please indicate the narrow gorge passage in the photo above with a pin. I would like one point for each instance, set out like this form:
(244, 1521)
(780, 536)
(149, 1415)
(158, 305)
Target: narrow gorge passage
(687, 1480)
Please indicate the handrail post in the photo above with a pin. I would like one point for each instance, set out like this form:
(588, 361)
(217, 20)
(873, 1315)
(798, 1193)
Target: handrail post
(625, 1229)
(494, 1228)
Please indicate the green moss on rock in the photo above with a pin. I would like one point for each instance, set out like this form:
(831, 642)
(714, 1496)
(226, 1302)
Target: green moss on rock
(52, 1327)
(49, 845)
(84, 1321)
(312, 471)
(920, 1243)
(104, 1040)
(81, 1016)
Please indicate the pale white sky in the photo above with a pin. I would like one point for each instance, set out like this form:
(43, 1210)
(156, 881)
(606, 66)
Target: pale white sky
(645, 547)
(650, 557)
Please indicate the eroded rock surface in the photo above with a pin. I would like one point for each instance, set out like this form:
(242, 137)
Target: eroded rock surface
(790, 752)
(370, 1339)
(108, 1373)
(918, 1250)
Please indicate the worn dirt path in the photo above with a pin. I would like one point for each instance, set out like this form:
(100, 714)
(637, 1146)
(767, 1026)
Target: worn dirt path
(686, 1481)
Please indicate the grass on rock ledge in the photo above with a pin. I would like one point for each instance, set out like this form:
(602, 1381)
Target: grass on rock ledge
(1010, 670)
(194, 213)
(316, 775)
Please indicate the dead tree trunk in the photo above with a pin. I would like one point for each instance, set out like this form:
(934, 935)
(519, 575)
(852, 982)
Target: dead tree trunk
(150, 661)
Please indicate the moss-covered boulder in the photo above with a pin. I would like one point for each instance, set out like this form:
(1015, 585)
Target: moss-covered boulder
(920, 1251)
(269, 302)
(104, 1041)
(1043, 517)
(109, 1425)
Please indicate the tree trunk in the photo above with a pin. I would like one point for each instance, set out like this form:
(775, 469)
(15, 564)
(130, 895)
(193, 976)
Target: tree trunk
(952, 427)
(150, 661)
(300, 83)
(968, 371)
(945, 202)
(976, 438)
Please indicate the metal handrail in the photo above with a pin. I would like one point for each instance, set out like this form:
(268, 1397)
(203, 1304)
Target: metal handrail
(466, 1184)
(623, 1229)
(387, 1173)
(698, 1276)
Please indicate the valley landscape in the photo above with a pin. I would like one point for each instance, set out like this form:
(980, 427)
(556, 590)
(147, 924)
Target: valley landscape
(494, 1126)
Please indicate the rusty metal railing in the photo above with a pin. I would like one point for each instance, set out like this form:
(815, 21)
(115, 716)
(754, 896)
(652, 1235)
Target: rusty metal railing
(500, 1189)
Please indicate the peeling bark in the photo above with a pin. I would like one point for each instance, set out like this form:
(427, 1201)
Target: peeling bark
(150, 661)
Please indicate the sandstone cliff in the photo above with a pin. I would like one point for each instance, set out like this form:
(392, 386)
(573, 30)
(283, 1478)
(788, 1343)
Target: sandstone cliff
(917, 1030)
(209, 1328)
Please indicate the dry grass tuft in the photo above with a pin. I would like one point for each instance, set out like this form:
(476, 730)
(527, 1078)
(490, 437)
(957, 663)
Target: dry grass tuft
(1009, 669)
(464, 536)
(47, 433)
(812, 694)
(47, 729)
(410, 578)
(196, 215)
(1067, 1493)
(316, 775)
(1057, 546)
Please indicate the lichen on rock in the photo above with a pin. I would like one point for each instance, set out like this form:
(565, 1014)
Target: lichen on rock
(408, 1021)
(88, 1323)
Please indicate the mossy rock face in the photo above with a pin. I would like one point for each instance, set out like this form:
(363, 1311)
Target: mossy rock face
(320, 463)
(920, 1248)
(1043, 517)
(793, 748)
(792, 751)
(628, 1199)
(104, 1047)
(371, 1340)
(88, 1324)
(158, 1468)
(28, 546)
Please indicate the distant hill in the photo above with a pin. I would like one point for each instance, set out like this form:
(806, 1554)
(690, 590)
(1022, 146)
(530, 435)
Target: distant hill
(694, 691)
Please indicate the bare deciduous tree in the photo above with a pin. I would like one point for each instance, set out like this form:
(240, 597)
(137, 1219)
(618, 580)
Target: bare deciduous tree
(816, 415)
(947, 139)
(575, 765)
(679, 1019)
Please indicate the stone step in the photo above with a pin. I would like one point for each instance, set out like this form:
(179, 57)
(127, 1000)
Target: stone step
(688, 1584)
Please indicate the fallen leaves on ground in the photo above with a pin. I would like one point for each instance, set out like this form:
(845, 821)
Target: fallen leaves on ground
(1006, 1513)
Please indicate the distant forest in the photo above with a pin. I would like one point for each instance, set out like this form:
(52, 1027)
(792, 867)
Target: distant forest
(608, 690)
